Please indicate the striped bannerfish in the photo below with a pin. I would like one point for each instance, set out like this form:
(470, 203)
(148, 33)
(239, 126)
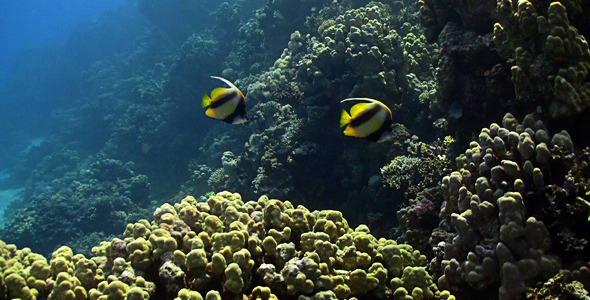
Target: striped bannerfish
(370, 120)
(225, 104)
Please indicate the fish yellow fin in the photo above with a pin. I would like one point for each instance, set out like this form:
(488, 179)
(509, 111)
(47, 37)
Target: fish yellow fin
(357, 108)
(344, 118)
(206, 101)
(216, 93)
(349, 131)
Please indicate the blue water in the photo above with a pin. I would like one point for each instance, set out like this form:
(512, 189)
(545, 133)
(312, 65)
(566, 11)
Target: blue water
(25, 24)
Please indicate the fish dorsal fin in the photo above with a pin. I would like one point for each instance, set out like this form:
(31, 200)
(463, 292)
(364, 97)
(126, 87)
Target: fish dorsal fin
(216, 93)
(225, 81)
(361, 99)
(358, 108)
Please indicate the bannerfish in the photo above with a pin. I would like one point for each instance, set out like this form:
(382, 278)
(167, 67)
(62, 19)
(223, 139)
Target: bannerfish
(368, 120)
(225, 104)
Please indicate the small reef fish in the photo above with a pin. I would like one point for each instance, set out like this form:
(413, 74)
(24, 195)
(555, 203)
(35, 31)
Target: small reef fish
(225, 104)
(370, 120)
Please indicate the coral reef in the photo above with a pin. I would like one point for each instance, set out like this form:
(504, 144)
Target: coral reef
(422, 169)
(549, 57)
(568, 207)
(128, 120)
(502, 222)
(269, 150)
(472, 87)
(134, 104)
(418, 218)
(68, 212)
(558, 287)
(478, 16)
(264, 249)
(514, 213)
(534, 58)
(340, 52)
(263, 36)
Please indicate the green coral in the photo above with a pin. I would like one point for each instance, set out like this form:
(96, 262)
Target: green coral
(325, 260)
(495, 229)
(233, 278)
(67, 287)
(139, 253)
(550, 59)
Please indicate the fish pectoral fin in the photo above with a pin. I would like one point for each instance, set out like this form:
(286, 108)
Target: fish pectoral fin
(205, 101)
(344, 118)
(349, 131)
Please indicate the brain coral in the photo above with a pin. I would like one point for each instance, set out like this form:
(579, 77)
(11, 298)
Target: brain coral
(225, 247)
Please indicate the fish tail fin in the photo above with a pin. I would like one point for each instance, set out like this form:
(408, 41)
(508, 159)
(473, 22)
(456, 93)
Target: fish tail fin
(344, 118)
(206, 101)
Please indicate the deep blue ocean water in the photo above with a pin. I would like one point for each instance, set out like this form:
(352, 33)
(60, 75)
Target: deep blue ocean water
(26, 24)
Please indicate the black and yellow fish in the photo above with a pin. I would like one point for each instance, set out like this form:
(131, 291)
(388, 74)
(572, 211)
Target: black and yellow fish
(368, 120)
(225, 104)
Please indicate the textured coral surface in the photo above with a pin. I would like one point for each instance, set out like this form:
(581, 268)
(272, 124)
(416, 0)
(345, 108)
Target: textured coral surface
(506, 218)
(226, 248)
(497, 213)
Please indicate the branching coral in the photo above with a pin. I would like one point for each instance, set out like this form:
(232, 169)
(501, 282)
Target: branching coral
(412, 174)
